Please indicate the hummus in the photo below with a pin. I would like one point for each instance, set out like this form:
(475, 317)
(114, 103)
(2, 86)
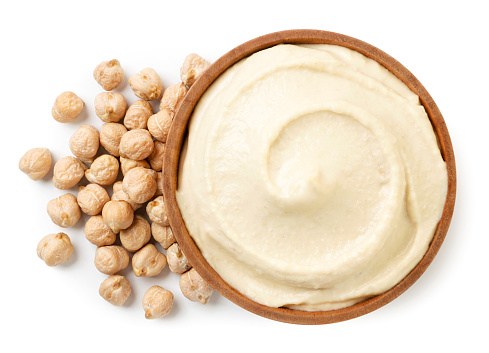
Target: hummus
(311, 177)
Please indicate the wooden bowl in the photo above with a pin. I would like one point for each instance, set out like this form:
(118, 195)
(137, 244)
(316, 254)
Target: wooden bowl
(178, 134)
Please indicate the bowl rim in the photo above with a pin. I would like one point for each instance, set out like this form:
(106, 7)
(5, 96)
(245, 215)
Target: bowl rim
(178, 133)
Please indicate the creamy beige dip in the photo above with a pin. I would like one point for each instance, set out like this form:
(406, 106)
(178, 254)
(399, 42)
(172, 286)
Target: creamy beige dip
(311, 177)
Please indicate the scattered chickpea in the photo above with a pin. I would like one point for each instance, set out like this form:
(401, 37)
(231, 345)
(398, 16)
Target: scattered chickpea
(84, 143)
(136, 235)
(92, 198)
(67, 107)
(111, 259)
(68, 172)
(137, 115)
(118, 215)
(156, 211)
(55, 249)
(163, 235)
(172, 97)
(136, 144)
(148, 261)
(192, 69)
(156, 157)
(36, 163)
(139, 184)
(115, 289)
(194, 287)
(127, 164)
(157, 302)
(103, 170)
(177, 261)
(146, 84)
(99, 233)
(159, 125)
(110, 107)
(64, 210)
(110, 137)
(109, 74)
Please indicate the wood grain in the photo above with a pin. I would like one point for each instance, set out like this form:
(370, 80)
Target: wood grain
(178, 134)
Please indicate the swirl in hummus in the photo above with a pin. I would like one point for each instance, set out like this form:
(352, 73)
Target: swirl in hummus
(311, 177)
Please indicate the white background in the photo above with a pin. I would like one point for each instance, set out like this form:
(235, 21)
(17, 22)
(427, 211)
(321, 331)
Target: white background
(48, 47)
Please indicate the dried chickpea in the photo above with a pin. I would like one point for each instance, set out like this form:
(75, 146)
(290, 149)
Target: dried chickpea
(110, 137)
(84, 143)
(137, 235)
(148, 261)
(139, 184)
(118, 215)
(36, 163)
(110, 107)
(177, 261)
(64, 210)
(194, 287)
(159, 124)
(55, 249)
(156, 211)
(99, 233)
(115, 289)
(173, 97)
(136, 144)
(156, 157)
(127, 164)
(137, 115)
(103, 170)
(92, 198)
(68, 172)
(157, 302)
(109, 74)
(192, 69)
(67, 107)
(111, 259)
(163, 235)
(146, 84)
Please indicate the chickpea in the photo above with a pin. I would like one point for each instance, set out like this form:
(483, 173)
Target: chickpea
(84, 143)
(104, 170)
(64, 210)
(110, 137)
(111, 259)
(137, 115)
(156, 157)
(157, 302)
(137, 235)
(163, 235)
(110, 107)
(68, 172)
(146, 84)
(115, 289)
(159, 184)
(116, 186)
(136, 144)
(109, 74)
(148, 261)
(55, 249)
(118, 215)
(192, 69)
(36, 163)
(194, 287)
(139, 184)
(92, 198)
(159, 125)
(177, 261)
(127, 164)
(67, 107)
(99, 233)
(172, 98)
(156, 211)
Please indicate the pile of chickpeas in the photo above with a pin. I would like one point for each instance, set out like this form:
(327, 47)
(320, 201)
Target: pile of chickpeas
(134, 138)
